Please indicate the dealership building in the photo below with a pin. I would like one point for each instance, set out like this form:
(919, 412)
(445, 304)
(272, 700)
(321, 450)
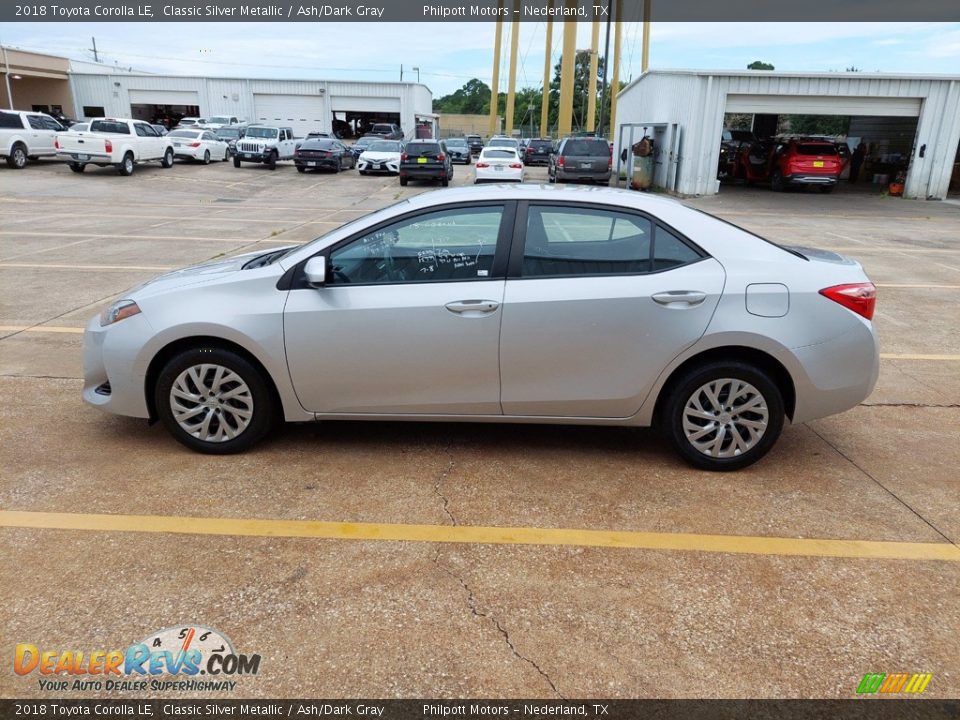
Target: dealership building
(304, 105)
(906, 121)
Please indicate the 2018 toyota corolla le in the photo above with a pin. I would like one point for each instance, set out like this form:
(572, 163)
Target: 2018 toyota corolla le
(500, 304)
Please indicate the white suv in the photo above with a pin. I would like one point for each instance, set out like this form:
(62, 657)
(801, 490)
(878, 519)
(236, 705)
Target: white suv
(27, 135)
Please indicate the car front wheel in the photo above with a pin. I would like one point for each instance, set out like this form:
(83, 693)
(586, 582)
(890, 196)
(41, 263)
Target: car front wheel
(214, 401)
(723, 415)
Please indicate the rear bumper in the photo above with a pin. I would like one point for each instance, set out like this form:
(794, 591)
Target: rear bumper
(592, 175)
(319, 163)
(809, 179)
(86, 157)
(422, 173)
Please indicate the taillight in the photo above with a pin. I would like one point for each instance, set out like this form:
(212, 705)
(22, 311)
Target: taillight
(530, 151)
(56, 144)
(560, 161)
(516, 165)
(108, 146)
(441, 157)
(403, 157)
(609, 162)
(196, 144)
(859, 297)
(481, 165)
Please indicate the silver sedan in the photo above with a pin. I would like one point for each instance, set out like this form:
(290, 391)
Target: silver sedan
(519, 304)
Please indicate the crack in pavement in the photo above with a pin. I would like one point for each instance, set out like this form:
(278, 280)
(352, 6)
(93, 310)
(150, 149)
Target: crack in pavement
(896, 497)
(471, 598)
(476, 611)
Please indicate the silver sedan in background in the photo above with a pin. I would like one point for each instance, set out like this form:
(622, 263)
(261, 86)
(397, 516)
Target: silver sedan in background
(524, 304)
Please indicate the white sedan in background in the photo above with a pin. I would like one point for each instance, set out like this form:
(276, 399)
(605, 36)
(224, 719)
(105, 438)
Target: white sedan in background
(202, 145)
(499, 164)
(381, 156)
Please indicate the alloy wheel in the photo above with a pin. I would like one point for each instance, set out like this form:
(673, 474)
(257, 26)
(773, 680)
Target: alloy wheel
(725, 418)
(211, 402)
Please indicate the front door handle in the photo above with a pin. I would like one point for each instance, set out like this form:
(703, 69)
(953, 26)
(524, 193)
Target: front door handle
(472, 308)
(680, 298)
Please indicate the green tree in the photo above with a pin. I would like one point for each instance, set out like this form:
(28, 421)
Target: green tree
(472, 99)
(581, 88)
(760, 65)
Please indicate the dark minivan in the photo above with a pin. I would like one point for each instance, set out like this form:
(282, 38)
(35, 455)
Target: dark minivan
(426, 160)
(581, 159)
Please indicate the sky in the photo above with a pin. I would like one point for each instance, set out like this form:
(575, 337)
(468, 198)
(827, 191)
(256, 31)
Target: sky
(450, 54)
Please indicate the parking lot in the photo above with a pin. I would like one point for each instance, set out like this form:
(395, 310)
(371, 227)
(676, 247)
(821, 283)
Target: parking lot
(452, 559)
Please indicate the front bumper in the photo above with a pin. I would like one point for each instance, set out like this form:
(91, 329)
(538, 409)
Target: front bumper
(372, 167)
(112, 379)
(248, 156)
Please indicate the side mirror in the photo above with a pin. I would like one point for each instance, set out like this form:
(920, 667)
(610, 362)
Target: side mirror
(316, 271)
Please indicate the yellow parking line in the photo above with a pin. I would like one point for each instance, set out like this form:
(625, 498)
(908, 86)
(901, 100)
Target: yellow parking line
(740, 544)
(913, 356)
(40, 329)
(87, 267)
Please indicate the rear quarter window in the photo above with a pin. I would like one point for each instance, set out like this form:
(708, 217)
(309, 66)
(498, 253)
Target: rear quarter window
(10, 121)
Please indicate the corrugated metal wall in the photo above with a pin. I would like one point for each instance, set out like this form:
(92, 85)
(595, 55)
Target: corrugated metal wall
(697, 102)
(234, 96)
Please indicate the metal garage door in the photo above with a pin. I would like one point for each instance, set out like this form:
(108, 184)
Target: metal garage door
(303, 113)
(164, 97)
(343, 103)
(822, 105)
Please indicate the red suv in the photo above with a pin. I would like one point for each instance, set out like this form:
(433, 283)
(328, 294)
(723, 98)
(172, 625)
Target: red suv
(791, 162)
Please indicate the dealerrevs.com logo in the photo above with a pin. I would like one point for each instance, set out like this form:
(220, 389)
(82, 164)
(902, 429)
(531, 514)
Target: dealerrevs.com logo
(168, 660)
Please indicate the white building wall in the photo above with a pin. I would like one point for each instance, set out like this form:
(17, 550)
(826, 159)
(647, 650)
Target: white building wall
(697, 100)
(234, 96)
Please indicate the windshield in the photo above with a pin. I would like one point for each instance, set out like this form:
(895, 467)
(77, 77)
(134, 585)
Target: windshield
(586, 147)
(364, 141)
(384, 146)
(184, 134)
(261, 132)
(456, 142)
(502, 142)
(382, 128)
(219, 120)
(228, 133)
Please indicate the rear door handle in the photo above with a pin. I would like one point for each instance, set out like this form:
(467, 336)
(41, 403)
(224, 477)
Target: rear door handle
(680, 298)
(472, 308)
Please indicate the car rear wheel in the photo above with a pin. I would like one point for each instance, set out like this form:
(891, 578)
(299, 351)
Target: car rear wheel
(403, 181)
(723, 415)
(125, 167)
(206, 157)
(214, 401)
(826, 189)
(167, 161)
(776, 182)
(18, 157)
(78, 167)
(301, 169)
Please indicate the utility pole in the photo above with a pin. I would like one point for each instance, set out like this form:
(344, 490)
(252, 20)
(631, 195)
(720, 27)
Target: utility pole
(592, 85)
(512, 80)
(96, 57)
(615, 82)
(603, 86)
(401, 72)
(567, 69)
(495, 85)
(6, 76)
(545, 102)
(645, 63)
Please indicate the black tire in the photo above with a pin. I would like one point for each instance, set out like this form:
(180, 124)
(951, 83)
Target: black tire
(206, 157)
(77, 167)
(167, 161)
(301, 169)
(339, 165)
(17, 159)
(469, 160)
(403, 181)
(362, 172)
(445, 182)
(272, 161)
(126, 165)
(826, 189)
(776, 182)
(236, 161)
(671, 419)
(264, 412)
(552, 179)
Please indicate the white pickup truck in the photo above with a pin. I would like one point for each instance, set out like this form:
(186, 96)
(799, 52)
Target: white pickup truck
(122, 143)
(26, 135)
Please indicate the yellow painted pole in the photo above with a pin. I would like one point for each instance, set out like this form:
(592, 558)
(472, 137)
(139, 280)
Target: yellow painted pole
(645, 62)
(567, 67)
(545, 103)
(512, 81)
(495, 85)
(615, 81)
(592, 88)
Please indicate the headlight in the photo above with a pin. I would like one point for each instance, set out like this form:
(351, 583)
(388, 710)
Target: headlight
(118, 311)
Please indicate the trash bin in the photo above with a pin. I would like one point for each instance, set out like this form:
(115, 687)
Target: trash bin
(642, 165)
